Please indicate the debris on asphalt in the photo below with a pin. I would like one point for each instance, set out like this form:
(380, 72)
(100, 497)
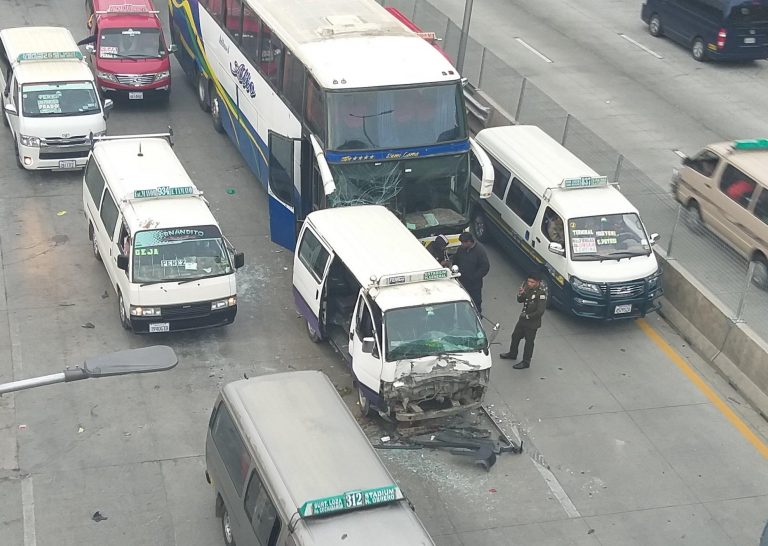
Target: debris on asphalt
(61, 213)
(87, 325)
(97, 516)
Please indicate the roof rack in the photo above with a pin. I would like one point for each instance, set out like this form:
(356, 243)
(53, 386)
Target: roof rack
(125, 9)
(169, 136)
(49, 56)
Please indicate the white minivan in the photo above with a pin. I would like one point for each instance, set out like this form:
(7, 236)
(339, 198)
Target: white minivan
(403, 323)
(49, 99)
(170, 265)
(552, 212)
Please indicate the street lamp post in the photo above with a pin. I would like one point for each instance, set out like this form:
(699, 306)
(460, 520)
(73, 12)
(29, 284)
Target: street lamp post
(464, 36)
(157, 358)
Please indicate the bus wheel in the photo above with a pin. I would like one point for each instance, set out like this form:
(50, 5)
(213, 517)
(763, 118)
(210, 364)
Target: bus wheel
(216, 106)
(203, 98)
(365, 404)
(698, 50)
(313, 334)
(760, 274)
(226, 528)
(479, 226)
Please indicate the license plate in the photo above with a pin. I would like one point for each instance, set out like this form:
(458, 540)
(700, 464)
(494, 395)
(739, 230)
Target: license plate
(749, 40)
(67, 164)
(135, 95)
(623, 309)
(159, 327)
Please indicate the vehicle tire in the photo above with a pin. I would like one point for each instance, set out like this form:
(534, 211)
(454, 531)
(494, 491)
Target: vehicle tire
(693, 217)
(654, 26)
(226, 527)
(2, 113)
(94, 244)
(480, 227)
(19, 164)
(203, 96)
(313, 334)
(548, 288)
(760, 275)
(124, 321)
(216, 106)
(698, 50)
(365, 404)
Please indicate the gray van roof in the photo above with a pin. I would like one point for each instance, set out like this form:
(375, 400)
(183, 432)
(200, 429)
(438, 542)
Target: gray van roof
(308, 440)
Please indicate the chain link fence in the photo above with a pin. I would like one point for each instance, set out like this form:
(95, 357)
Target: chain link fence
(712, 261)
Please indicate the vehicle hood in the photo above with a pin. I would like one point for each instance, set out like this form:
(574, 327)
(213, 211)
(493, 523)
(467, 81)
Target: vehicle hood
(133, 66)
(449, 364)
(58, 126)
(173, 293)
(626, 269)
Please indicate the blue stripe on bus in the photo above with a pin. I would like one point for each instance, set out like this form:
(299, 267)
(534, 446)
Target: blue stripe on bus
(399, 153)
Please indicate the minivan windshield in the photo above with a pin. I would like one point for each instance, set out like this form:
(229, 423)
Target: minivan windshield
(130, 43)
(427, 330)
(609, 236)
(59, 99)
(179, 254)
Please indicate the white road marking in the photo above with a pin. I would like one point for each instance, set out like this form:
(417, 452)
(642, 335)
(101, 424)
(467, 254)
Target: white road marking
(534, 50)
(28, 511)
(557, 490)
(641, 46)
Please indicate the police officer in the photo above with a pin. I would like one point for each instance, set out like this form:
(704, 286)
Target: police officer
(533, 296)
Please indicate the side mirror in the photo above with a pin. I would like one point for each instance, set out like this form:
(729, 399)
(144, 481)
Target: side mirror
(486, 183)
(239, 260)
(173, 48)
(369, 344)
(494, 333)
(556, 248)
(90, 48)
(654, 238)
(108, 104)
(11, 109)
(122, 262)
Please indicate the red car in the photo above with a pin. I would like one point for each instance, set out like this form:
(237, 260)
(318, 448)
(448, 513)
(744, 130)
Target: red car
(127, 47)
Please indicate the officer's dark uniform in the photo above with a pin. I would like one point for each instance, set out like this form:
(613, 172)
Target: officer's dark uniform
(534, 302)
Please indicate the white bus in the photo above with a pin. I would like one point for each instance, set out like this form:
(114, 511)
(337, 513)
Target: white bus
(333, 103)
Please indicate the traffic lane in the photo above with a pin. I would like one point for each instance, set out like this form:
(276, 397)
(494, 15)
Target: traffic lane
(642, 105)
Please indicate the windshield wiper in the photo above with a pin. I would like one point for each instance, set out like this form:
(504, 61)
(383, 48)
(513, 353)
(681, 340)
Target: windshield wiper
(185, 281)
(619, 254)
(156, 282)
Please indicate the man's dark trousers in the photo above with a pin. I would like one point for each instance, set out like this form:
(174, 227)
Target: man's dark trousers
(521, 332)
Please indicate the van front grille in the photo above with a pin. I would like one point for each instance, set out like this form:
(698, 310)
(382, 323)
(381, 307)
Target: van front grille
(629, 289)
(135, 79)
(190, 310)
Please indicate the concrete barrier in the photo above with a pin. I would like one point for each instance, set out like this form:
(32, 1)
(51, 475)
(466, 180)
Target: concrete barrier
(733, 348)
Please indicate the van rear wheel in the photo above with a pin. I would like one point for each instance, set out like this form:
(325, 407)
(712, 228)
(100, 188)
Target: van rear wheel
(654, 25)
(693, 217)
(124, 320)
(365, 404)
(698, 50)
(313, 334)
(226, 528)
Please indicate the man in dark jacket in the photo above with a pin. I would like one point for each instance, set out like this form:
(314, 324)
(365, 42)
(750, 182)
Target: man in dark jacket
(473, 266)
(533, 296)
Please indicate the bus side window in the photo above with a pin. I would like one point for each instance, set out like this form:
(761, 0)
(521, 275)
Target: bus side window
(233, 19)
(250, 37)
(261, 512)
(271, 61)
(293, 82)
(315, 114)
(215, 8)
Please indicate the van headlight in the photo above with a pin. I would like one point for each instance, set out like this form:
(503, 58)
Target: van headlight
(653, 280)
(590, 287)
(162, 75)
(106, 76)
(231, 301)
(29, 141)
(138, 311)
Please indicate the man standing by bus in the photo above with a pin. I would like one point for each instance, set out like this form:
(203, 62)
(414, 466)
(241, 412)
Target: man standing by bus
(473, 265)
(533, 296)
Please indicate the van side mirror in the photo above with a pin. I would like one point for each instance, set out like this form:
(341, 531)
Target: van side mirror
(108, 104)
(369, 344)
(486, 183)
(90, 48)
(654, 238)
(556, 248)
(11, 109)
(122, 262)
(173, 48)
(239, 260)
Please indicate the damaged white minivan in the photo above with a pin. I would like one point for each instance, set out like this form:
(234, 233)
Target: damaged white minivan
(406, 327)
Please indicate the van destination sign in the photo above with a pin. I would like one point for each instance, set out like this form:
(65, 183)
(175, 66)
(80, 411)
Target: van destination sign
(351, 500)
(164, 191)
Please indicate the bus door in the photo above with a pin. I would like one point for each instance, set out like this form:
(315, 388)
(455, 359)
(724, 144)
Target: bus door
(284, 195)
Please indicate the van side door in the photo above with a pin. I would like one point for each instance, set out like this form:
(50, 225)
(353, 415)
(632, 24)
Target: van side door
(366, 358)
(520, 211)
(310, 267)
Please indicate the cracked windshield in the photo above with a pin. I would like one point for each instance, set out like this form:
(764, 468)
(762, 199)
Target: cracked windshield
(179, 254)
(431, 329)
(607, 237)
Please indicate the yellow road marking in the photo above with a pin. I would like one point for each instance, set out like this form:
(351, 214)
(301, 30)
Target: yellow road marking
(696, 379)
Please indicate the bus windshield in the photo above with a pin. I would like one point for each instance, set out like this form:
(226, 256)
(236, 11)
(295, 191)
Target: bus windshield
(427, 330)
(135, 43)
(395, 117)
(180, 254)
(608, 237)
(59, 99)
(423, 193)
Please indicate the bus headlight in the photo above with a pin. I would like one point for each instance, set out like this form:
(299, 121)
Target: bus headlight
(231, 301)
(32, 141)
(590, 287)
(138, 311)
